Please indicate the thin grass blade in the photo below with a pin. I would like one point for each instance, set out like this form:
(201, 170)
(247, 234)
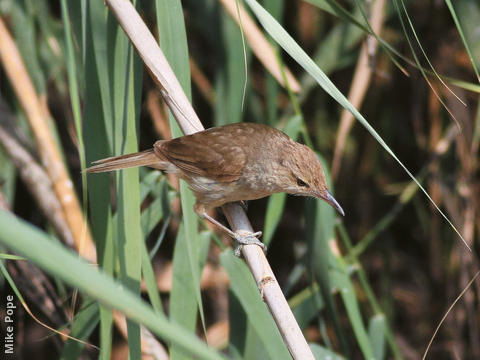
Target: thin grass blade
(296, 52)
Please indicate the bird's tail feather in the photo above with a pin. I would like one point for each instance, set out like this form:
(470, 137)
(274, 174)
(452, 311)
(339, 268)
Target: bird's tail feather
(144, 158)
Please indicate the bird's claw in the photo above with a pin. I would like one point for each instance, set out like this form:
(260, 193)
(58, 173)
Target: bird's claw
(244, 205)
(248, 239)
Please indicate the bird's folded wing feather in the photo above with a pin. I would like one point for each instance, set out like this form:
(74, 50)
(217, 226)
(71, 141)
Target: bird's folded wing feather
(205, 154)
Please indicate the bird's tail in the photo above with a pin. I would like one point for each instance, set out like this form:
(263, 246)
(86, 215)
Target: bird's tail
(144, 158)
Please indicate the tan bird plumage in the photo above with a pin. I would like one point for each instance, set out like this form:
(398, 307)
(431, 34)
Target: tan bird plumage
(243, 161)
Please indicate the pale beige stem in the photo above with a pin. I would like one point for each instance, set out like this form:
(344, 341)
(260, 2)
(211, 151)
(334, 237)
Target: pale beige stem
(259, 44)
(360, 84)
(155, 61)
(49, 154)
(152, 349)
(203, 84)
(36, 180)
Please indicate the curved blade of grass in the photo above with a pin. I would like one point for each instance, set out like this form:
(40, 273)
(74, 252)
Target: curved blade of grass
(295, 275)
(341, 279)
(75, 102)
(85, 322)
(32, 243)
(254, 347)
(173, 41)
(425, 54)
(463, 84)
(229, 91)
(183, 308)
(148, 273)
(126, 80)
(322, 353)
(419, 66)
(98, 144)
(457, 299)
(244, 53)
(367, 290)
(319, 222)
(11, 257)
(276, 8)
(417, 61)
(276, 202)
(9, 177)
(8, 278)
(151, 216)
(150, 283)
(275, 206)
(336, 9)
(306, 305)
(25, 31)
(376, 331)
(101, 26)
(244, 288)
(463, 37)
(165, 199)
(296, 52)
(238, 327)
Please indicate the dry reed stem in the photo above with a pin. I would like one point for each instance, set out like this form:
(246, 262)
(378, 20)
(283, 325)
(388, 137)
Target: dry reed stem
(158, 114)
(218, 335)
(3, 201)
(36, 180)
(435, 133)
(172, 92)
(259, 44)
(360, 83)
(202, 82)
(151, 347)
(49, 154)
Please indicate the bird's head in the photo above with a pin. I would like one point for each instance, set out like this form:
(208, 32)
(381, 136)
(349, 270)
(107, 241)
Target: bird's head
(303, 175)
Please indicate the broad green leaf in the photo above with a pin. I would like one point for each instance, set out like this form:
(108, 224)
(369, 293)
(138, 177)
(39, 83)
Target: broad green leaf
(306, 305)
(467, 26)
(376, 330)
(126, 80)
(322, 353)
(98, 144)
(173, 41)
(30, 242)
(244, 288)
(319, 226)
(183, 306)
(341, 280)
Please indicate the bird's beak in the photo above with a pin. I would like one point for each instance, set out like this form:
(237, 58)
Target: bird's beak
(328, 197)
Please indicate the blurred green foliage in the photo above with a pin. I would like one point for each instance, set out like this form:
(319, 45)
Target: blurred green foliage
(371, 285)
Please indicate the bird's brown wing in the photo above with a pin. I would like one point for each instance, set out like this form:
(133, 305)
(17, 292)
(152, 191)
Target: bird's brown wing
(211, 154)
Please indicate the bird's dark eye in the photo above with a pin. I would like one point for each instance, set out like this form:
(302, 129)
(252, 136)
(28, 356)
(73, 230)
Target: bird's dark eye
(301, 183)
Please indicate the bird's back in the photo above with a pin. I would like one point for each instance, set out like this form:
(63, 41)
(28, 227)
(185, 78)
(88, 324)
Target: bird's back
(221, 153)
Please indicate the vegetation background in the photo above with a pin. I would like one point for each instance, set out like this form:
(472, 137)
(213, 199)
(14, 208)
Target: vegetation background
(374, 284)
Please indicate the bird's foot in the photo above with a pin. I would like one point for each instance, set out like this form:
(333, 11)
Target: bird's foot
(244, 205)
(242, 237)
(247, 238)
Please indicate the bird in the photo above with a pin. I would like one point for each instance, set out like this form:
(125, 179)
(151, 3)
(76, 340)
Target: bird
(233, 163)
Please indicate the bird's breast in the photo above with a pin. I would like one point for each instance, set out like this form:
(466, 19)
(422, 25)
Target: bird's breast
(213, 193)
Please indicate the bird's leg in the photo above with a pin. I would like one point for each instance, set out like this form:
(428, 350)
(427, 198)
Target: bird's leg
(244, 205)
(241, 239)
